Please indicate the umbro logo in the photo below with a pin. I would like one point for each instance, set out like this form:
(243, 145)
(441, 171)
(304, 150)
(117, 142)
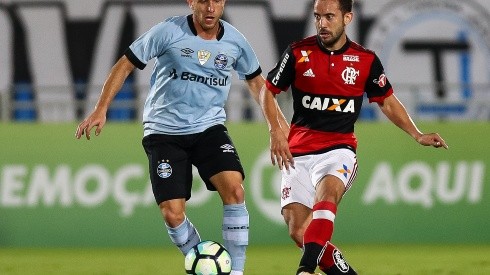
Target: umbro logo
(227, 148)
(187, 52)
(309, 73)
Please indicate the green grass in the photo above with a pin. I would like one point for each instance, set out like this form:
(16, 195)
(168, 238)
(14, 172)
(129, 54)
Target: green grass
(367, 259)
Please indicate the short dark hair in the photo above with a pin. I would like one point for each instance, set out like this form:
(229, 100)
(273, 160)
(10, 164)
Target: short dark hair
(346, 5)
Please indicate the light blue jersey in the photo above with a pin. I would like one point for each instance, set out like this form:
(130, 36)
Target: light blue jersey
(191, 78)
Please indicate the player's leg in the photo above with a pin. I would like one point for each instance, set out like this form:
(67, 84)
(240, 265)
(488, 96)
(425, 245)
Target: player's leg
(235, 216)
(297, 218)
(171, 178)
(179, 228)
(219, 166)
(333, 173)
(319, 231)
(318, 250)
(334, 263)
(297, 198)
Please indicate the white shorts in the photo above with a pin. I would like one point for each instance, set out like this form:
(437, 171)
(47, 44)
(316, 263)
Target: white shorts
(299, 183)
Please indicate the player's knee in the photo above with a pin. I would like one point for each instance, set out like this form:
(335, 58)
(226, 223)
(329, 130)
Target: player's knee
(234, 195)
(171, 217)
(238, 193)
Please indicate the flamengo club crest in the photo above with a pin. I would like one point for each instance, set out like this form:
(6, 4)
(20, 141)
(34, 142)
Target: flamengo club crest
(349, 75)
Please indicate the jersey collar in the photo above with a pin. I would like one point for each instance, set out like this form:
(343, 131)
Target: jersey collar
(221, 31)
(339, 51)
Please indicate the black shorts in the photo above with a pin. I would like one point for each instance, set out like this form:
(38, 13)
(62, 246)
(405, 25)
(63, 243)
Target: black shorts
(171, 158)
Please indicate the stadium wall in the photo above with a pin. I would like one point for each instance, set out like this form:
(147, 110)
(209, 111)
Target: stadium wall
(58, 191)
(56, 54)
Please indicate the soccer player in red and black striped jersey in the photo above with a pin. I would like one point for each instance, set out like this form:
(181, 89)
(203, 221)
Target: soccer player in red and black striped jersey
(328, 75)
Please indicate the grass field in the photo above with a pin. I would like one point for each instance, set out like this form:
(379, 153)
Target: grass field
(367, 259)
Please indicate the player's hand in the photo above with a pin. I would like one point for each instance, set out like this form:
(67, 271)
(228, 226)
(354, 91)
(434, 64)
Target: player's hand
(280, 153)
(85, 127)
(433, 139)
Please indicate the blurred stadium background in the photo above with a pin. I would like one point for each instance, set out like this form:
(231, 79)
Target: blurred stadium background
(58, 192)
(55, 55)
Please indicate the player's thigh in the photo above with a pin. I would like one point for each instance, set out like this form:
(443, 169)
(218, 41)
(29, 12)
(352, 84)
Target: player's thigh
(330, 188)
(333, 173)
(170, 168)
(215, 153)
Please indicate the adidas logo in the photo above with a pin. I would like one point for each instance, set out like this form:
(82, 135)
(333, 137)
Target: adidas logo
(309, 73)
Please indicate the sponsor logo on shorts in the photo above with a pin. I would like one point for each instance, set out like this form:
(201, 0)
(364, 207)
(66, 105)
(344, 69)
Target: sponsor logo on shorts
(344, 171)
(339, 261)
(227, 148)
(164, 170)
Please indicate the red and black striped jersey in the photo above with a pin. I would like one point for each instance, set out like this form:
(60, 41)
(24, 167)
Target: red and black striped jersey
(328, 89)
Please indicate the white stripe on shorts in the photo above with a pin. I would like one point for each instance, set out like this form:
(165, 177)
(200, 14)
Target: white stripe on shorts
(352, 177)
(324, 214)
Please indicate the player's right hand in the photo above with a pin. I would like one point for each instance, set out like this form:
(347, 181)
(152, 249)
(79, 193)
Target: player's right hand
(280, 153)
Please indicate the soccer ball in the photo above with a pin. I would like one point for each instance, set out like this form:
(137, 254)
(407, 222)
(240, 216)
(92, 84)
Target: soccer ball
(208, 258)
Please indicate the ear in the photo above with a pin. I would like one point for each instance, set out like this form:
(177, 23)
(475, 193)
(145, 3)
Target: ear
(348, 18)
(191, 4)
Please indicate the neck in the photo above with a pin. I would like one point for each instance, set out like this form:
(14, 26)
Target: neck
(208, 34)
(337, 45)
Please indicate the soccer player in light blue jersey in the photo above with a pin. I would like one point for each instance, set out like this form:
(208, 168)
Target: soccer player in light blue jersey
(184, 117)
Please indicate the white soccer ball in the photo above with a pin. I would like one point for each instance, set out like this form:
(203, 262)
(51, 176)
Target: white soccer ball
(208, 258)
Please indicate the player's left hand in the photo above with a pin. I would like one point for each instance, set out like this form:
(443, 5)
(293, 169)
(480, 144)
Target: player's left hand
(96, 119)
(433, 139)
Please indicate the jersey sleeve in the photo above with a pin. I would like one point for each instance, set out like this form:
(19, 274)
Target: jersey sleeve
(281, 76)
(378, 87)
(148, 45)
(247, 64)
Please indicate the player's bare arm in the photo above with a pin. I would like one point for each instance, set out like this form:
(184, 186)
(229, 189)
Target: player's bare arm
(278, 129)
(112, 85)
(396, 112)
(255, 86)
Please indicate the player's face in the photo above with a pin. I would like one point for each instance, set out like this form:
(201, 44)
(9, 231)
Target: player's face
(207, 13)
(330, 23)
